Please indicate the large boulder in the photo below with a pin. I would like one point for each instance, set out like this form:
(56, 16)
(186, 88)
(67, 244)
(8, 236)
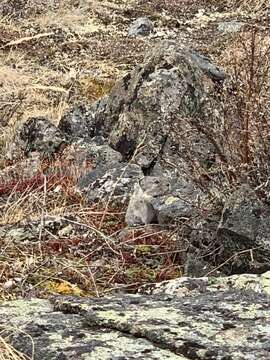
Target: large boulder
(145, 110)
(193, 319)
(243, 232)
(109, 181)
(169, 87)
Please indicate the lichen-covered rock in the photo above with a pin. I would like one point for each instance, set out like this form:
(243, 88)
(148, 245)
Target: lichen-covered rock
(75, 122)
(197, 319)
(36, 329)
(193, 286)
(171, 80)
(39, 134)
(144, 112)
(103, 154)
(141, 27)
(35, 230)
(82, 156)
(115, 180)
(181, 203)
(243, 232)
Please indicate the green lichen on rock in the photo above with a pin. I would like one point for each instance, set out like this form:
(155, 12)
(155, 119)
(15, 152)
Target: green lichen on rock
(212, 321)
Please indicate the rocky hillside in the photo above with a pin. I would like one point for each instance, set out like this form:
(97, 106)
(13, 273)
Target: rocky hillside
(134, 152)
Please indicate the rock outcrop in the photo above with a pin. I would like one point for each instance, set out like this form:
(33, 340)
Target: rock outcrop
(145, 109)
(125, 140)
(161, 150)
(243, 231)
(194, 319)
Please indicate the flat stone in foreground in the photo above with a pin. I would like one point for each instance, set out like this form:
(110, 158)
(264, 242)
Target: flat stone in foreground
(208, 322)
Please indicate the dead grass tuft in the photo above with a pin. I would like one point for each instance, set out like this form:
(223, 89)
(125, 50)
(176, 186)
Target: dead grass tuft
(8, 352)
(249, 5)
(80, 257)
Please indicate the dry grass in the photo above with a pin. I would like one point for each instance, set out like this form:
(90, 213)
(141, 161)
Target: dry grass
(85, 260)
(239, 126)
(52, 56)
(250, 5)
(43, 75)
(8, 352)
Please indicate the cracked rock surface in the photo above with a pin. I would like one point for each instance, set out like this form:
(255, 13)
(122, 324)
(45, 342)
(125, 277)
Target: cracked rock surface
(212, 321)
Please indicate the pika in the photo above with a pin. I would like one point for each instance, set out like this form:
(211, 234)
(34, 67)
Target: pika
(140, 210)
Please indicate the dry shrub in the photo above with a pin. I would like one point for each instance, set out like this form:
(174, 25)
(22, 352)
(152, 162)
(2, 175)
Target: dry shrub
(244, 134)
(249, 5)
(238, 125)
(94, 257)
(8, 352)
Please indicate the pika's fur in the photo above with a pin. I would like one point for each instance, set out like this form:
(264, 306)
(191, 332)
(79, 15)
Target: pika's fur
(140, 210)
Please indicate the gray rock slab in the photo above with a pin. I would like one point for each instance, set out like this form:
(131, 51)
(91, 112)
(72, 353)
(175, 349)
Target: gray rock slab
(245, 225)
(209, 319)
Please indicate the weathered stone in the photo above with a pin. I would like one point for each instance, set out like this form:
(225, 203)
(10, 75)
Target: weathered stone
(141, 27)
(35, 230)
(244, 231)
(103, 154)
(205, 64)
(230, 26)
(18, 234)
(182, 319)
(182, 202)
(141, 109)
(58, 335)
(39, 134)
(82, 156)
(75, 122)
(189, 286)
(116, 180)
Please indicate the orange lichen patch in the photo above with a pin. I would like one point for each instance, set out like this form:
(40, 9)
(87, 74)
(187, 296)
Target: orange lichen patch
(63, 288)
